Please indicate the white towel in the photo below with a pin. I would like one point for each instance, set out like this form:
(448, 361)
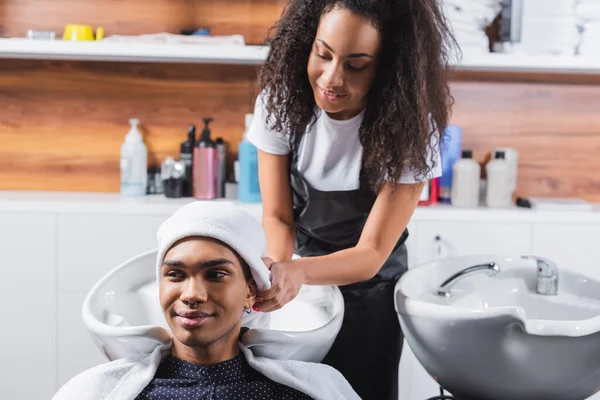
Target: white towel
(219, 220)
(588, 11)
(549, 33)
(171, 38)
(544, 8)
(125, 379)
(591, 29)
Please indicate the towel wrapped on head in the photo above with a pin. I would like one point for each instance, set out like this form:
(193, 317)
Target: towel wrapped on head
(222, 221)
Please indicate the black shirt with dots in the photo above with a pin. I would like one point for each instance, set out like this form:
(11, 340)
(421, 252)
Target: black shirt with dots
(229, 380)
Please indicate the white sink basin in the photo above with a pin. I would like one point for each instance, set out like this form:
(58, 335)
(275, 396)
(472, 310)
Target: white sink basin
(123, 315)
(495, 338)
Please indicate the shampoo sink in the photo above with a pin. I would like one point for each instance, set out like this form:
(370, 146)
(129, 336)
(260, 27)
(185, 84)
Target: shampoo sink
(496, 337)
(123, 315)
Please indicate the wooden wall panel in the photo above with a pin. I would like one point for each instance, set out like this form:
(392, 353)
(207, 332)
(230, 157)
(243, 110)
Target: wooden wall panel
(555, 127)
(62, 123)
(133, 17)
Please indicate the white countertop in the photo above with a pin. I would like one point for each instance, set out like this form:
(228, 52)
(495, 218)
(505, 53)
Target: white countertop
(113, 203)
(254, 55)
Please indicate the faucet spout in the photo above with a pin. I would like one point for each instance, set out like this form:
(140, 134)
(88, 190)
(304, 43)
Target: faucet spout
(444, 290)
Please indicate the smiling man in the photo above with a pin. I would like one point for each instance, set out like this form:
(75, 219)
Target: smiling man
(209, 267)
(204, 289)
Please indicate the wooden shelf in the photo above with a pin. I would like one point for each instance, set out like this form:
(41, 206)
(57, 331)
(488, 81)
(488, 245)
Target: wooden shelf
(254, 55)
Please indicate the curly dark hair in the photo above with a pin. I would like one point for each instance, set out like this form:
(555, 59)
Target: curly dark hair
(409, 101)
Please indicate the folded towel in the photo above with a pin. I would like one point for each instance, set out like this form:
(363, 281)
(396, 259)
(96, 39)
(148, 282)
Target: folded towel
(588, 11)
(550, 50)
(549, 32)
(171, 38)
(477, 20)
(542, 8)
(469, 39)
(590, 50)
(219, 220)
(125, 379)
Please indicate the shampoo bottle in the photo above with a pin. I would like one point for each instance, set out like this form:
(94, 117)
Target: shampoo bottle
(186, 155)
(499, 182)
(466, 174)
(248, 187)
(205, 166)
(134, 163)
(221, 161)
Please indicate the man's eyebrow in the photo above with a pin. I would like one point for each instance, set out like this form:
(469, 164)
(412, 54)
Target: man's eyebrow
(352, 55)
(204, 263)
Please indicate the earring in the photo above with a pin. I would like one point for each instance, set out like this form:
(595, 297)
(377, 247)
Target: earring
(248, 310)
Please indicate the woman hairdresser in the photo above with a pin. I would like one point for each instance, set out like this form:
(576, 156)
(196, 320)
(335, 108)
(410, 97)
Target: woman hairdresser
(354, 98)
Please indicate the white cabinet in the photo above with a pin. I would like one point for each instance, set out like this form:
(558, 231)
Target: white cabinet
(575, 247)
(440, 239)
(28, 306)
(411, 243)
(91, 245)
(76, 350)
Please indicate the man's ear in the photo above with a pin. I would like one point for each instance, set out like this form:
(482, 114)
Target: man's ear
(251, 294)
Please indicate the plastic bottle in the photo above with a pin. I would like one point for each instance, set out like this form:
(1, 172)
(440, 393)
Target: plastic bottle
(450, 150)
(134, 163)
(466, 174)
(248, 188)
(205, 166)
(186, 155)
(512, 158)
(221, 162)
(499, 182)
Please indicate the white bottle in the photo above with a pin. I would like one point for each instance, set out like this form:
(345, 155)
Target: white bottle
(499, 182)
(466, 174)
(134, 163)
(512, 158)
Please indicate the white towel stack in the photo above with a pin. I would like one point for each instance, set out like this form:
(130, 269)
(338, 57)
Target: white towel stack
(588, 13)
(468, 19)
(549, 29)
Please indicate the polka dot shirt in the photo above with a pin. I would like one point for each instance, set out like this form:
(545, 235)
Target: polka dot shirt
(230, 380)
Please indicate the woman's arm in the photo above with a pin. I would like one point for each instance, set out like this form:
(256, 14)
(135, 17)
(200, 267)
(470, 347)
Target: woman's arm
(386, 222)
(277, 220)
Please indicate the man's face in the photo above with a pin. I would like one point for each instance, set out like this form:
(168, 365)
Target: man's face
(203, 292)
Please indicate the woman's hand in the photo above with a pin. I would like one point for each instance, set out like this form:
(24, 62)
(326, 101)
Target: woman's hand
(286, 280)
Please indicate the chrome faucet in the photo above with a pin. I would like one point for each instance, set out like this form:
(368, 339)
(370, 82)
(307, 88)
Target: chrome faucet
(445, 288)
(547, 275)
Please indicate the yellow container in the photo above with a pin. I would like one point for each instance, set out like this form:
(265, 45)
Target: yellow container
(82, 32)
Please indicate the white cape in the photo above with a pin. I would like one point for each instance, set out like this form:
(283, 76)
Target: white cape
(124, 379)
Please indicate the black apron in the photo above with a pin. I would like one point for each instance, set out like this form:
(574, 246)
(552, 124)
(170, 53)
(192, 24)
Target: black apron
(368, 347)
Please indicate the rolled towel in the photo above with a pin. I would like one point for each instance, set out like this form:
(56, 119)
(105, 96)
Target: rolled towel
(222, 221)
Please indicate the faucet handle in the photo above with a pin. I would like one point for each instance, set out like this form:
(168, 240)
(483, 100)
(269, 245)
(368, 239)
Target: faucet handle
(545, 266)
(547, 275)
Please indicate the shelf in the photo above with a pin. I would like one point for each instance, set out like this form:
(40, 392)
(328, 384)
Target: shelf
(110, 51)
(255, 55)
(498, 62)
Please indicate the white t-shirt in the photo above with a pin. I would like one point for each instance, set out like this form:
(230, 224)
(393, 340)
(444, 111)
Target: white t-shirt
(330, 153)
